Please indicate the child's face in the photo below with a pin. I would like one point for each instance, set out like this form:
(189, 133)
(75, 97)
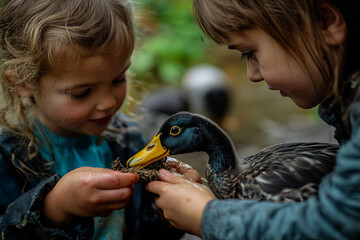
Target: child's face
(268, 61)
(81, 97)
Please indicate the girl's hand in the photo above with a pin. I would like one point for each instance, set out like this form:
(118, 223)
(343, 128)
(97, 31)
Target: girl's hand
(183, 169)
(181, 201)
(88, 192)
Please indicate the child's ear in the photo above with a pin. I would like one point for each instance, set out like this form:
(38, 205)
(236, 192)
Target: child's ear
(10, 78)
(333, 24)
(23, 91)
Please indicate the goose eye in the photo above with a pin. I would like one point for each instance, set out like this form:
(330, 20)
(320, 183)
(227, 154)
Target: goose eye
(175, 130)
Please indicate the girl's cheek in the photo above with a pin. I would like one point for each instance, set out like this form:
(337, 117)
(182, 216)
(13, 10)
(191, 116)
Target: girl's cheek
(76, 114)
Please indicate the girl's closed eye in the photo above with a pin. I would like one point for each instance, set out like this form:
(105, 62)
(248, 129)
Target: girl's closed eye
(78, 94)
(248, 56)
(119, 81)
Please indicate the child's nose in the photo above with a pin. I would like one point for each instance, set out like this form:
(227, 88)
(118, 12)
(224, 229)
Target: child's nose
(107, 101)
(253, 73)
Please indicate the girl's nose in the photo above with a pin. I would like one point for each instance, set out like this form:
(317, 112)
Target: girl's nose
(107, 101)
(253, 72)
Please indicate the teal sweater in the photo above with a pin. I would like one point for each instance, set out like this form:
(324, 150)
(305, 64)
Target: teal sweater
(66, 154)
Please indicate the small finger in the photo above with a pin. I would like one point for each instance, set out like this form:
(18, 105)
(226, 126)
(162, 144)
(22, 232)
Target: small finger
(172, 162)
(169, 177)
(116, 195)
(117, 180)
(193, 175)
(155, 187)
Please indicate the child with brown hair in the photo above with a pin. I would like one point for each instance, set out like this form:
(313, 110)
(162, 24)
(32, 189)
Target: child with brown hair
(307, 50)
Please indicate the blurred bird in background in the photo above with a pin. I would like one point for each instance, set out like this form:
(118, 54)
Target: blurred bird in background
(203, 90)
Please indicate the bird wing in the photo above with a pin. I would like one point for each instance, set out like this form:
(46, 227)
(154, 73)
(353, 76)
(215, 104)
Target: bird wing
(291, 171)
(287, 172)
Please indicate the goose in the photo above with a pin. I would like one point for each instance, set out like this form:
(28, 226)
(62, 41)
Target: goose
(284, 172)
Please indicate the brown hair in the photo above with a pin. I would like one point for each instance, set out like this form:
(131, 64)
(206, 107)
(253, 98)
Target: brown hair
(285, 21)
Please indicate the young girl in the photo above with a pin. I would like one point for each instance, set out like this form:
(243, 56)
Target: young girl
(307, 50)
(64, 66)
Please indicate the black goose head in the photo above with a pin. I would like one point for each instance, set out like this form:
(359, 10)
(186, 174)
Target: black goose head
(181, 133)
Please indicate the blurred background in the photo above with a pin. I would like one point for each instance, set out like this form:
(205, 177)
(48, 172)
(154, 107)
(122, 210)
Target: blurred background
(176, 67)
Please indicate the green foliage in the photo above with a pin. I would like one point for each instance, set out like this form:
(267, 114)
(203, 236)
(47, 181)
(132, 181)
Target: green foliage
(169, 40)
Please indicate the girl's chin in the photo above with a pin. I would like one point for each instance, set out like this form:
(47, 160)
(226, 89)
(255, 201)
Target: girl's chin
(91, 132)
(304, 105)
(98, 131)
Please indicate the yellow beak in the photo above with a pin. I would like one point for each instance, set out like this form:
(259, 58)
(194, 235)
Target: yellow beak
(153, 152)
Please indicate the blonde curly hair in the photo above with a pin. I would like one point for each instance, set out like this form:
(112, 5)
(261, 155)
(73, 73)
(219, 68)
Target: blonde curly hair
(37, 36)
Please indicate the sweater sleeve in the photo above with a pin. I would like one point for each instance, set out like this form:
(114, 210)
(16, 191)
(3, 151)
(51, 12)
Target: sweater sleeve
(334, 214)
(23, 218)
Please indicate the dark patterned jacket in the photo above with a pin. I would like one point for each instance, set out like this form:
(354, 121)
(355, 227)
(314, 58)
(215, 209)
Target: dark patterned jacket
(21, 195)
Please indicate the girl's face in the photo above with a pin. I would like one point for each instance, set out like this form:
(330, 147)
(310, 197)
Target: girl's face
(268, 61)
(81, 98)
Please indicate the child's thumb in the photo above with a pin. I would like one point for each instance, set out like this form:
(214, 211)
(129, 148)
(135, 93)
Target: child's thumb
(167, 176)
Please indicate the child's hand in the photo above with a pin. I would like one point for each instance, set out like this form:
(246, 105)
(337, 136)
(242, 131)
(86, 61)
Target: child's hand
(88, 192)
(183, 169)
(181, 201)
